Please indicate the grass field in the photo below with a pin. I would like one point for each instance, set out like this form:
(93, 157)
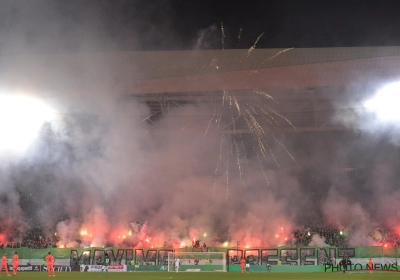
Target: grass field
(207, 275)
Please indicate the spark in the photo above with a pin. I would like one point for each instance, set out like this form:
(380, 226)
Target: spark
(151, 116)
(244, 149)
(223, 35)
(269, 116)
(259, 132)
(283, 147)
(278, 53)
(218, 162)
(227, 176)
(209, 124)
(262, 169)
(254, 46)
(280, 115)
(263, 93)
(238, 162)
(236, 145)
(240, 34)
(182, 130)
(237, 104)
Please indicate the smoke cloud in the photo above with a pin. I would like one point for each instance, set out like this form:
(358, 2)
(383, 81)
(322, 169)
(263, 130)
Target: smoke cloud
(99, 165)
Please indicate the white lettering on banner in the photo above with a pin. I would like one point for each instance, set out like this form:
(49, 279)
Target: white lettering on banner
(163, 268)
(193, 269)
(115, 267)
(24, 268)
(111, 268)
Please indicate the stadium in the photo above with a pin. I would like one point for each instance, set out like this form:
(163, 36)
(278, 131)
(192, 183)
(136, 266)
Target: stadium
(282, 156)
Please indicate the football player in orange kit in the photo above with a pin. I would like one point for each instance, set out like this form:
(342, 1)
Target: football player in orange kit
(15, 263)
(242, 264)
(50, 259)
(4, 264)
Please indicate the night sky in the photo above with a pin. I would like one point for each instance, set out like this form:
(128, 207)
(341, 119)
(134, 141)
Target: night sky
(49, 26)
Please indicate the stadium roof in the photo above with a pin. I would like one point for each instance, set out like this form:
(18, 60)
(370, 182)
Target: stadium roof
(307, 83)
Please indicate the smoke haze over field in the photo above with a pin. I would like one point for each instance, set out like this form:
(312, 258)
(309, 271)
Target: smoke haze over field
(98, 165)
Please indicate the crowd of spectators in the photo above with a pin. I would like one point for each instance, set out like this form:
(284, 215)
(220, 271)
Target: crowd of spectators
(317, 225)
(332, 237)
(34, 238)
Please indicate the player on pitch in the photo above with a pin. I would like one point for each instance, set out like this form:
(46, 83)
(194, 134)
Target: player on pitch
(106, 262)
(370, 265)
(4, 264)
(242, 264)
(50, 259)
(248, 264)
(15, 263)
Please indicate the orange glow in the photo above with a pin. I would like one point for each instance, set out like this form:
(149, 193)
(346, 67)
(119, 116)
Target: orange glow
(385, 245)
(277, 236)
(147, 240)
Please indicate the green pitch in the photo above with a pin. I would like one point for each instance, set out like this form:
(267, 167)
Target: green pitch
(207, 275)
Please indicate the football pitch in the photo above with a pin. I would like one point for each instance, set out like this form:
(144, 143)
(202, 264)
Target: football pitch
(207, 275)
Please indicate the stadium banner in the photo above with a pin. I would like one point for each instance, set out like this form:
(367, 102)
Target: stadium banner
(111, 268)
(28, 268)
(58, 268)
(152, 268)
(280, 268)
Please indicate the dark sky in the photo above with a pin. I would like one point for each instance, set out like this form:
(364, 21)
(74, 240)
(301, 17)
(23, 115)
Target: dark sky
(53, 26)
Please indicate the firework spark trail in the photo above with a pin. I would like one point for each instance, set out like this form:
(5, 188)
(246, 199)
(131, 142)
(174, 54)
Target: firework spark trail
(281, 52)
(227, 174)
(224, 100)
(277, 124)
(223, 35)
(241, 137)
(182, 130)
(280, 115)
(259, 132)
(244, 149)
(218, 162)
(239, 37)
(237, 104)
(255, 132)
(263, 93)
(262, 169)
(269, 108)
(269, 118)
(151, 116)
(210, 123)
(235, 142)
(283, 146)
(224, 97)
(238, 162)
(254, 46)
(218, 120)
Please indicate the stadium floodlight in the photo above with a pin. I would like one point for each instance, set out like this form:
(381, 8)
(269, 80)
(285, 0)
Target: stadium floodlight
(198, 261)
(21, 118)
(384, 104)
